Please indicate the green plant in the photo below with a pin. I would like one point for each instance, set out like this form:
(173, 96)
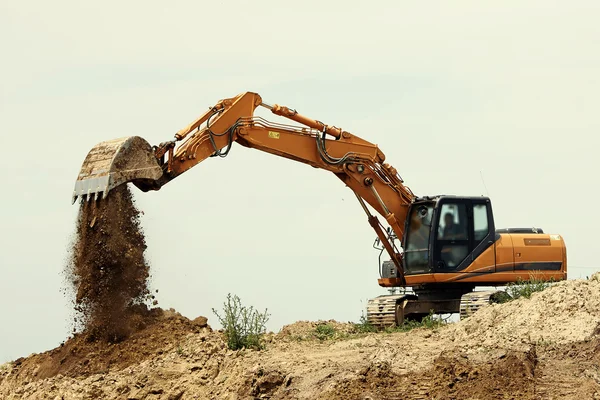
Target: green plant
(525, 288)
(243, 326)
(324, 331)
(364, 326)
(429, 321)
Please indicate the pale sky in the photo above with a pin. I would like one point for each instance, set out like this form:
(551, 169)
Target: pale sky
(450, 91)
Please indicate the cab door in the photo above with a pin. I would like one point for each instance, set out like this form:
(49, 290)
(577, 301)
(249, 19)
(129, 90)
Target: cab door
(483, 253)
(464, 235)
(451, 246)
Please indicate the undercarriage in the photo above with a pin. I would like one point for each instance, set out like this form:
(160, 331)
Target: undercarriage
(395, 308)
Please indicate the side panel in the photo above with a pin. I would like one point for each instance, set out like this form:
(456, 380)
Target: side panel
(539, 252)
(505, 255)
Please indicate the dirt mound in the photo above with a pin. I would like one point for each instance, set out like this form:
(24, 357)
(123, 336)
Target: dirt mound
(584, 351)
(569, 311)
(452, 375)
(544, 347)
(403, 365)
(307, 330)
(107, 267)
(157, 331)
(511, 375)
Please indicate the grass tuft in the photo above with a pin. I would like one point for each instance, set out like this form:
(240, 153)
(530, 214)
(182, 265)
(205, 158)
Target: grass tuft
(430, 321)
(364, 326)
(525, 288)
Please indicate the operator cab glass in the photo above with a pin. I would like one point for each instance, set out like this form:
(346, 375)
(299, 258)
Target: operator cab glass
(418, 234)
(452, 234)
(446, 235)
(464, 228)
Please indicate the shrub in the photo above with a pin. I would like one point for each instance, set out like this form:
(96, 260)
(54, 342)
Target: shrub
(324, 331)
(243, 326)
(429, 322)
(364, 326)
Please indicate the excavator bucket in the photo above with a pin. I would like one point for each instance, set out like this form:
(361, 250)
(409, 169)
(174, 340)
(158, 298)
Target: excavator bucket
(115, 162)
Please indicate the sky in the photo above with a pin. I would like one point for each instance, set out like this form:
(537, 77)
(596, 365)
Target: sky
(465, 98)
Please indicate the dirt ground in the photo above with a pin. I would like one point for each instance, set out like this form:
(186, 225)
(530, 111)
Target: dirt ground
(546, 347)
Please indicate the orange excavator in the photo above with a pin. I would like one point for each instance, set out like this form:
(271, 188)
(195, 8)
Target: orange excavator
(440, 247)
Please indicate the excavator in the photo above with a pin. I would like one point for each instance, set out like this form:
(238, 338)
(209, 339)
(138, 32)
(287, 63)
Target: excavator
(440, 247)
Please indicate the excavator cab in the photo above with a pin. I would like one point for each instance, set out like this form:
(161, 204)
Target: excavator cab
(446, 233)
(450, 247)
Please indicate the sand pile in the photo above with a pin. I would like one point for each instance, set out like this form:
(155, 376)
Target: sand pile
(107, 268)
(568, 311)
(544, 347)
(308, 330)
(451, 376)
(175, 358)
(159, 331)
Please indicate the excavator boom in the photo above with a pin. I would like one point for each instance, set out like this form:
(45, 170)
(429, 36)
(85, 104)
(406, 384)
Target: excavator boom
(451, 244)
(357, 162)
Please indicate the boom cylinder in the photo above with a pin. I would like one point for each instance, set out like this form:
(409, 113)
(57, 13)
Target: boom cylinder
(294, 116)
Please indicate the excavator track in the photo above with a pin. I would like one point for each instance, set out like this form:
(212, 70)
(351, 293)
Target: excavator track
(471, 302)
(381, 310)
(390, 310)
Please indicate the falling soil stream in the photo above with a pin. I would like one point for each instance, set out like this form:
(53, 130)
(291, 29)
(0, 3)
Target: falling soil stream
(107, 267)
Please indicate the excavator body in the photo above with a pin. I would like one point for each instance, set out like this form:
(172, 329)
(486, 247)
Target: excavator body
(450, 247)
(440, 248)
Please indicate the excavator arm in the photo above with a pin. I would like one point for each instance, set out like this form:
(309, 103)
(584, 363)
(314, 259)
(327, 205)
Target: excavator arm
(357, 162)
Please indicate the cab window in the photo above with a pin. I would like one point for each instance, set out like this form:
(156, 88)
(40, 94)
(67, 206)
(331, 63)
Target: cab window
(452, 236)
(453, 222)
(416, 253)
(480, 222)
(462, 227)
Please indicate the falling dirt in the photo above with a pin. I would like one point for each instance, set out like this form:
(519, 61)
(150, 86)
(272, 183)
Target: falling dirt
(108, 270)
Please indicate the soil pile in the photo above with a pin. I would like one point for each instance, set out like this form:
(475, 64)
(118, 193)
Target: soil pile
(198, 365)
(452, 376)
(569, 311)
(306, 330)
(158, 331)
(108, 269)
(498, 353)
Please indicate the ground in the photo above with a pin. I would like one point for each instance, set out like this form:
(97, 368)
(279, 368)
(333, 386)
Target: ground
(545, 347)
